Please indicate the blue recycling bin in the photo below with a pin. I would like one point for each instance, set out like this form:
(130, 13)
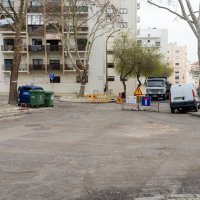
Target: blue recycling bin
(24, 93)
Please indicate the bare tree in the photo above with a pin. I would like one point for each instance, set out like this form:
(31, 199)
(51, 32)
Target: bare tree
(187, 13)
(14, 11)
(95, 17)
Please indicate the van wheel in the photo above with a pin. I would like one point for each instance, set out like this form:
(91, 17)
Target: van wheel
(172, 110)
(196, 108)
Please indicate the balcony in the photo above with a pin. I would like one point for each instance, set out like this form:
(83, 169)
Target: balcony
(36, 29)
(53, 28)
(54, 67)
(36, 48)
(35, 9)
(57, 48)
(36, 67)
(79, 10)
(7, 68)
(8, 48)
(53, 6)
(69, 67)
(83, 29)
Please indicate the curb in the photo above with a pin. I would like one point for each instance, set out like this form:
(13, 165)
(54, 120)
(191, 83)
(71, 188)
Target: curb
(194, 114)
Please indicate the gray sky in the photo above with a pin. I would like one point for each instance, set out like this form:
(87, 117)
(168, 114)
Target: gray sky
(178, 30)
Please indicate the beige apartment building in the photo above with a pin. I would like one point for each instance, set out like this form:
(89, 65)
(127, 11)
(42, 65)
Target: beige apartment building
(44, 53)
(177, 59)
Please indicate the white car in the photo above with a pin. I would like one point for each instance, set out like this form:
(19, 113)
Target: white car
(184, 96)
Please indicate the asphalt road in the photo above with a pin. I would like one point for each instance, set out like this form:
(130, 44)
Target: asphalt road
(98, 152)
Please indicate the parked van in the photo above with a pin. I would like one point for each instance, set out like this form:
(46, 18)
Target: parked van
(184, 96)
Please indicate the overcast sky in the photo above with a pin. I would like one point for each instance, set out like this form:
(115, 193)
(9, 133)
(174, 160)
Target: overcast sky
(178, 30)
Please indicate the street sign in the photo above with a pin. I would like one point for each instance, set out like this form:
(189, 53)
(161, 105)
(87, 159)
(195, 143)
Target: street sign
(131, 100)
(138, 92)
(51, 76)
(146, 101)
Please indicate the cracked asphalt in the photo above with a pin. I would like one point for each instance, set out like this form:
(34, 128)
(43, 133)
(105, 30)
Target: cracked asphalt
(98, 152)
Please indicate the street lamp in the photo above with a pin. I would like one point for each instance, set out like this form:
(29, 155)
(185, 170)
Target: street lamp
(106, 86)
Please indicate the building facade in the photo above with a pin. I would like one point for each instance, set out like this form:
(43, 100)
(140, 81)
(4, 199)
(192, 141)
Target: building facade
(44, 54)
(177, 59)
(157, 38)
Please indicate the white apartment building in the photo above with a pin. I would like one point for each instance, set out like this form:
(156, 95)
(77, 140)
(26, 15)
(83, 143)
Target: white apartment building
(177, 59)
(157, 38)
(43, 53)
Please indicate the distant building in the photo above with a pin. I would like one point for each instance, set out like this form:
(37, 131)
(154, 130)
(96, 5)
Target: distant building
(152, 37)
(177, 59)
(196, 78)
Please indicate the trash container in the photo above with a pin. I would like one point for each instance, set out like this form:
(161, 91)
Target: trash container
(36, 98)
(23, 93)
(48, 99)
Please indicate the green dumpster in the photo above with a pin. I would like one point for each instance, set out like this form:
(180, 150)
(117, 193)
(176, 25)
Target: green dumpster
(36, 98)
(48, 99)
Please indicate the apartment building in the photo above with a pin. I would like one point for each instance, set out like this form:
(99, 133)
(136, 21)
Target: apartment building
(153, 37)
(196, 76)
(44, 52)
(177, 59)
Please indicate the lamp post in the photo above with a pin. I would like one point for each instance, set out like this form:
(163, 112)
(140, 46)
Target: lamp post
(106, 86)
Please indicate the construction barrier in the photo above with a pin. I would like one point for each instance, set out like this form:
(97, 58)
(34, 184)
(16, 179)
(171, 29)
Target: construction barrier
(140, 104)
(97, 98)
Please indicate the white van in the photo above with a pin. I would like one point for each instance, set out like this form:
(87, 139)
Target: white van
(184, 96)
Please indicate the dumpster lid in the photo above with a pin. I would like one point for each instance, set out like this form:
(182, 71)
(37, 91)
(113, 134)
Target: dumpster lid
(49, 92)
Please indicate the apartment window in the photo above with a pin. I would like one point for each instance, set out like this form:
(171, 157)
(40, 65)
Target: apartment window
(37, 62)
(110, 65)
(56, 79)
(177, 64)
(111, 78)
(176, 72)
(139, 42)
(148, 41)
(123, 11)
(6, 4)
(81, 44)
(177, 77)
(81, 8)
(124, 24)
(35, 19)
(36, 3)
(177, 51)
(157, 44)
(36, 41)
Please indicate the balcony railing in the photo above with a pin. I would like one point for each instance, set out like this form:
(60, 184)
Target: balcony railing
(54, 66)
(54, 48)
(11, 48)
(36, 48)
(53, 28)
(36, 29)
(35, 9)
(83, 29)
(8, 67)
(36, 67)
(69, 67)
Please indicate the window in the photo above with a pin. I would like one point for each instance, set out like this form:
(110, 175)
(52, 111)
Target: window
(123, 11)
(124, 24)
(139, 42)
(8, 64)
(157, 44)
(110, 65)
(37, 41)
(56, 79)
(176, 72)
(148, 41)
(81, 44)
(111, 78)
(37, 62)
(176, 63)
(177, 77)
(177, 51)
(36, 3)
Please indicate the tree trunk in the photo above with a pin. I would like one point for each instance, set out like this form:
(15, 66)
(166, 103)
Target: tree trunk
(199, 59)
(138, 79)
(124, 86)
(14, 69)
(83, 77)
